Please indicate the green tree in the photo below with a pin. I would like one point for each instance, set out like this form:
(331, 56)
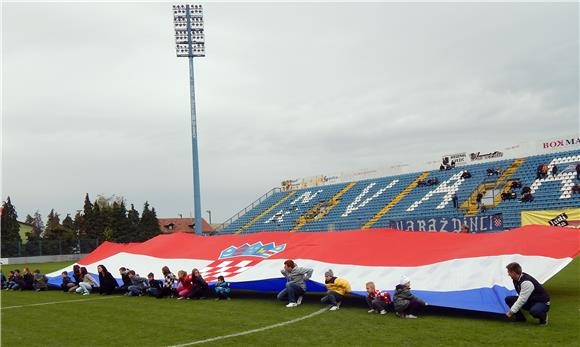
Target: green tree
(32, 248)
(9, 230)
(148, 225)
(133, 219)
(85, 224)
(120, 225)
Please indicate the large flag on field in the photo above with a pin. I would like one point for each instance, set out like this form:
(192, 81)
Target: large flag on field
(465, 271)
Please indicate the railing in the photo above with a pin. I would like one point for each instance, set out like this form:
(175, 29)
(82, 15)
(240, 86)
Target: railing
(242, 212)
(11, 249)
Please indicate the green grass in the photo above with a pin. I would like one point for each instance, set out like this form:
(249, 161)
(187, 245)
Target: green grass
(144, 321)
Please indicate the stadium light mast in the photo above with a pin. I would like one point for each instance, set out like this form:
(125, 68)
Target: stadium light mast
(189, 42)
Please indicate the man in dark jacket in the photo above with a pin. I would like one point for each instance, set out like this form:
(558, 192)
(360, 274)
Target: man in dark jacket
(531, 296)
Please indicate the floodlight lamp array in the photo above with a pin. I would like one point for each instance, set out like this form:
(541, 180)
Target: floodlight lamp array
(188, 23)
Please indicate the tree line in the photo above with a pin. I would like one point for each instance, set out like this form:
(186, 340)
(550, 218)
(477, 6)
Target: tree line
(105, 219)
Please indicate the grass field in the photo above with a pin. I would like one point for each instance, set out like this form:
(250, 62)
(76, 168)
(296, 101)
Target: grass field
(31, 319)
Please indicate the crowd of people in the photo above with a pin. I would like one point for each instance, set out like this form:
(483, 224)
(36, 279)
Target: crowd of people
(24, 281)
(405, 304)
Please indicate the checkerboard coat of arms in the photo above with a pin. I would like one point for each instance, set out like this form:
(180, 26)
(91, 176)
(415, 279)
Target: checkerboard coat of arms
(235, 260)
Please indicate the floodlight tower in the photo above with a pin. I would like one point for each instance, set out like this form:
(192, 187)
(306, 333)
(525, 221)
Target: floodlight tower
(189, 41)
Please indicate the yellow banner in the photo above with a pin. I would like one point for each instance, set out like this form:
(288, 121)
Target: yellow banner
(564, 218)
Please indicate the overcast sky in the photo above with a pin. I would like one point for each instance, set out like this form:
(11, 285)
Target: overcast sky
(94, 99)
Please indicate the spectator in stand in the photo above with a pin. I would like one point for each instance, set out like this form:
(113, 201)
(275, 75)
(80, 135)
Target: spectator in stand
(40, 281)
(138, 284)
(478, 199)
(455, 200)
(464, 229)
(527, 195)
(466, 174)
(66, 283)
(377, 300)
(27, 279)
(199, 285)
(442, 167)
(539, 172)
(106, 280)
(576, 189)
(168, 283)
(421, 183)
(511, 195)
(406, 304)
(336, 288)
(497, 171)
(544, 171)
(578, 171)
(222, 289)
(155, 287)
(296, 278)
(531, 296)
(184, 285)
(432, 181)
(124, 272)
(516, 184)
(554, 170)
(87, 282)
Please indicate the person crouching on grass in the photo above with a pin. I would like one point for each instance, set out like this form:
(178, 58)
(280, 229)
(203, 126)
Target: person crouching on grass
(40, 281)
(106, 280)
(222, 289)
(155, 286)
(531, 296)
(296, 278)
(377, 300)
(138, 284)
(199, 285)
(337, 288)
(406, 303)
(184, 285)
(87, 282)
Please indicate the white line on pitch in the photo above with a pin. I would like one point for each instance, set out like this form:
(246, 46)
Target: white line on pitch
(59, 302)
(253, 330)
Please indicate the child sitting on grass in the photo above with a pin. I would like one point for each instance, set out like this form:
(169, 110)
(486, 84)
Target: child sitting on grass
(184, 285)
(155, 286)
(11, 283)
(40, 281)
(66, 283)
(138, 284)
(337, 289)
(222, 289)
(377, 300)
(406, 304)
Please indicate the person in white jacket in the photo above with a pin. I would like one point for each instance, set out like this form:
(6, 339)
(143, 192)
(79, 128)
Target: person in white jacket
(87, 282)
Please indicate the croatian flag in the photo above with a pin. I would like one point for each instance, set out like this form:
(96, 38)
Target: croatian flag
(465, 271)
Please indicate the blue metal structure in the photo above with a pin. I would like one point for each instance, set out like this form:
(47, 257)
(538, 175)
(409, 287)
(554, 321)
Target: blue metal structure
(193, 27)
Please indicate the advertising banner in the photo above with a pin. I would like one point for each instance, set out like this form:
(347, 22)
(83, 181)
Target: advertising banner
(459, 158)
(562, 218)
(476, 224)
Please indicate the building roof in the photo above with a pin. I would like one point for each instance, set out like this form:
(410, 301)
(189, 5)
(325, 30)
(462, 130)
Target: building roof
(185, 225)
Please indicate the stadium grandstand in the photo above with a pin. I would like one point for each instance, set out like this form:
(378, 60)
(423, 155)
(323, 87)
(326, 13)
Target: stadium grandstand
(488, 200)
